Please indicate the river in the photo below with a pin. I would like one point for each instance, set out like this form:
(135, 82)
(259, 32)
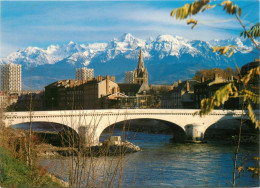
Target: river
(161, 163)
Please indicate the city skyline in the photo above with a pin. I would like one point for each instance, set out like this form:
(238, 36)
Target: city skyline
(41, 24)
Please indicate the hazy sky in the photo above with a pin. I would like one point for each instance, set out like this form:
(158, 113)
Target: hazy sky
(42, 23)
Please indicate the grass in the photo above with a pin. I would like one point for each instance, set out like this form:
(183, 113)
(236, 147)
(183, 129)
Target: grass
(15, 173)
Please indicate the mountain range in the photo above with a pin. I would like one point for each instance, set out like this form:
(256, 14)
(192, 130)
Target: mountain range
(167, 58)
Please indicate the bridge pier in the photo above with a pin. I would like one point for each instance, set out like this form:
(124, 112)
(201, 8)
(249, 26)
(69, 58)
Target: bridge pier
(194, 132)
(87, 137)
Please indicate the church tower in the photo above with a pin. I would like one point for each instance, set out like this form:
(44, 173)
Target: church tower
(141, 73)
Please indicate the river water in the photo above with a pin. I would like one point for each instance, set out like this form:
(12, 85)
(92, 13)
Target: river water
(161, 163)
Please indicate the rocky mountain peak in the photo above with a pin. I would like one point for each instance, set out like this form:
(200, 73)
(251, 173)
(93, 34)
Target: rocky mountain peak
(126, 37)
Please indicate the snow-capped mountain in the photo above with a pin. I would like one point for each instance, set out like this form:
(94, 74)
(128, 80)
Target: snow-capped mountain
(167, 45)
(166, 57)
(125, 44)
(34, 56)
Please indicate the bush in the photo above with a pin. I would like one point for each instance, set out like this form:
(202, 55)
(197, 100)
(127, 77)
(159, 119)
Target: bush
(15, 173)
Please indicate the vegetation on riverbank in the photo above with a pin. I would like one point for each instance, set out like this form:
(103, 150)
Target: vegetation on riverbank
(15, 173)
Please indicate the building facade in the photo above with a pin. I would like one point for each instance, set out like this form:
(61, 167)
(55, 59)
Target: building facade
(29, 100)
(129, 77)
(181, 97)
(139, 96)
(7, 100)
(84, 73)
(94, 91)
(86, 94)
(11, 78)
(207, 89)
(60, 95)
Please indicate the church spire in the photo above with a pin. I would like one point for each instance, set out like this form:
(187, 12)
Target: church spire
(141, 61)
(141, 74)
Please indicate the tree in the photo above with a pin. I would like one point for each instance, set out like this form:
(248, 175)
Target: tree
(243, 87)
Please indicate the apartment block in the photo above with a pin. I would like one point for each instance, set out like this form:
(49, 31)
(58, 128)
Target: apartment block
(86, 94)
(181, 96)
(129, 77)
(11, 78)
(84, 74)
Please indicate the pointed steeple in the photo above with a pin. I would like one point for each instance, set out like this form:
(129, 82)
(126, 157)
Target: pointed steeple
(141, 74)
(187, 86)
(141, 61)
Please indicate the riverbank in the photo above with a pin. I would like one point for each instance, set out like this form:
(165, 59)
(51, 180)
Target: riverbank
(15, 173)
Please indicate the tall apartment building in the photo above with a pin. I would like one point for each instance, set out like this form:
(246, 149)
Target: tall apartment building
(84, 73)
(11, 78)
(129, 77)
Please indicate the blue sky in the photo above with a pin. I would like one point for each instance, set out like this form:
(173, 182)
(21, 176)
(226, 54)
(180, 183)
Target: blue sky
(42, 23)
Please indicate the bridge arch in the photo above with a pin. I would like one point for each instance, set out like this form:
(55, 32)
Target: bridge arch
(226, 128)
(65, 134)
(27, 120)
(40, 126)
(146, 125)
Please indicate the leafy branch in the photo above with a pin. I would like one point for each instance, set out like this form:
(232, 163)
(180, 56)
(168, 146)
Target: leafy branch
(223, 50)
(230, 90)
(254, 31)
(200, 6)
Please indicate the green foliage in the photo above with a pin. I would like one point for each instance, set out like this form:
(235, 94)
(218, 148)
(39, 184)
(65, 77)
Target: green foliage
(200, 6)
(250, 75)
(192, 21)
(230, 8)
(223, 50)
(254, 31)
(255, 169)
(190, 9)
(230, 90)
(15, 173)
(252, 116)
(219, 98)
(254, 98)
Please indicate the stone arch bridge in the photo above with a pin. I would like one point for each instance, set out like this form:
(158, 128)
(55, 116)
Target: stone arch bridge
(89, 124)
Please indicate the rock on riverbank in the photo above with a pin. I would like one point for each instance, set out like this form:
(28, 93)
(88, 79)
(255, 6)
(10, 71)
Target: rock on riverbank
(112, 147)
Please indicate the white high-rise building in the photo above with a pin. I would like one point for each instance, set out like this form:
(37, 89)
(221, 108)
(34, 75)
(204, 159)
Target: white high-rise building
(11, 78)
(84, 73)
(129, 77)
